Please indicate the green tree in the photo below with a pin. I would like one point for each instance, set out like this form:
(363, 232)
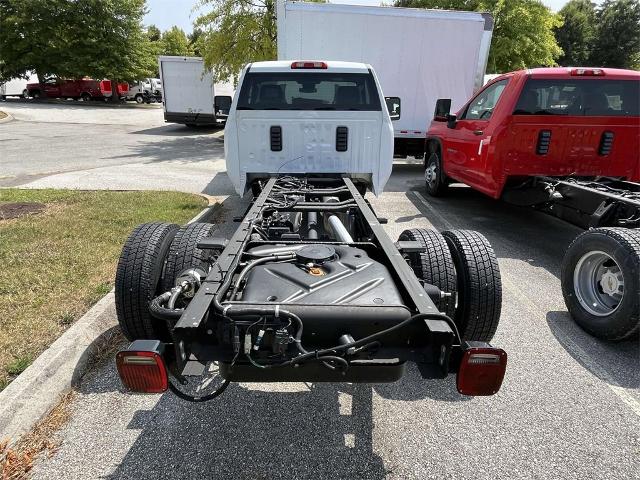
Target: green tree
(32, 36)
(618, 38)
(73, 39)
(194, 41)
(236, 32)
(578, 32)
(176, 42)
(153, 33)
(522, 34)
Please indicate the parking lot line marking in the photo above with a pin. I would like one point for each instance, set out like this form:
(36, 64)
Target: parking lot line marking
(349, 440)
(448, 225)
(345, 402)
(595, 369)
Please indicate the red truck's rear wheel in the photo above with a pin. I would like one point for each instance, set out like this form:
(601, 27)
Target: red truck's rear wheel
(601, 282)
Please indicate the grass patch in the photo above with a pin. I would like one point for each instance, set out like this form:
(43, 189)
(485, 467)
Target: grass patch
(58, 263)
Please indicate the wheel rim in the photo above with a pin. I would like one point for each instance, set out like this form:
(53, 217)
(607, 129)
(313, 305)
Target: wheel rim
(431, 172)
(139, 99)
(598, 283)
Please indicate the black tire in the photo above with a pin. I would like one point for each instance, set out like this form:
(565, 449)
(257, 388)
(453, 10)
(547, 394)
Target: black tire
(85, 97)
(479, 284)
(434, 266)
(184, 252)
(610, 316)
(434, 178)
(138, 276)
(25, 94)
(139, 98)
(35, 94)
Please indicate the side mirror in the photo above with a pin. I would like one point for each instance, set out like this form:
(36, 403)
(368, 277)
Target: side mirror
(393, 106)
(451, 121)
(443, 107)
(222, 103)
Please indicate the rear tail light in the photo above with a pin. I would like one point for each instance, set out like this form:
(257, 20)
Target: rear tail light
(481, 371)
(141, 367)
(309, 65)
(588, 72)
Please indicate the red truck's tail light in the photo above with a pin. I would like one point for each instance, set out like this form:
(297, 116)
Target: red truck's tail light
(481, 371)
(587, 72)
(141, 367)
(309, 65)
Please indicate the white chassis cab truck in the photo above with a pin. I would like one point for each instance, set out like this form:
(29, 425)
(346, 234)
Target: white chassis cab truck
(309, 288)
(419, 55)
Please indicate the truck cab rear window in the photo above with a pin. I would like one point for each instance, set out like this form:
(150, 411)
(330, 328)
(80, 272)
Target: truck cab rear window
(308, 91)
(581, 97)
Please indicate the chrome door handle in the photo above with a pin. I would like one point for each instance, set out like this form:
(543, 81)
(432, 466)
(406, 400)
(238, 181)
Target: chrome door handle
(478, 132)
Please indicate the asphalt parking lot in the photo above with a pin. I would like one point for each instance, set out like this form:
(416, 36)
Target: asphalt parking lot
(569, 407)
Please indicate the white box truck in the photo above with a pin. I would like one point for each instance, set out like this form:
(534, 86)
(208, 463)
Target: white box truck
(189, 92)
(17, 87)
(419, 55)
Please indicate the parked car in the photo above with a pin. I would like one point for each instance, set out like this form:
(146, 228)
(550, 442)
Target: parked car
(84, 89)
(564, 140)
(17, 87)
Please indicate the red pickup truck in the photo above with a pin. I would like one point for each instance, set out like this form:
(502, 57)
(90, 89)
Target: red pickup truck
(85, 89)
(566, 141)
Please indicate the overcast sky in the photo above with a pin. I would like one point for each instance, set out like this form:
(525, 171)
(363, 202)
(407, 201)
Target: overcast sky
(166, 13)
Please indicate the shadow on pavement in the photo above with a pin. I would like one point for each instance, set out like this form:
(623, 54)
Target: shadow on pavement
(617, 362)
(183, 148)
(247, 433)
(178, 130)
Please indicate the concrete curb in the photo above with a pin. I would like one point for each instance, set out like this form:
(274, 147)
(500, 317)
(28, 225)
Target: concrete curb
(35, 391)
(6, 119)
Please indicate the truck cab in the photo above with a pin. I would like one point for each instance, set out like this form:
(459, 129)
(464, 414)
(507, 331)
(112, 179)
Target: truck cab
(309, 117)
(556, 122)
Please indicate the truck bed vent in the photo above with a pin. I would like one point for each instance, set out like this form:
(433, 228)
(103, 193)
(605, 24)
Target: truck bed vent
(606, 143)
(275, 133)
(544, 140)
(342, 139)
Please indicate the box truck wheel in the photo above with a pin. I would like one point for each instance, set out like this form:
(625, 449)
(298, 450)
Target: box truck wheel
(433, 266)
(25, 94)
(601, 282)
(434, 176)
(138, 277)
(184, 252)
(479, 284)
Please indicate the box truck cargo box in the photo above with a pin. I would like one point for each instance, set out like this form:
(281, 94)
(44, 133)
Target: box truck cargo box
(419, 55)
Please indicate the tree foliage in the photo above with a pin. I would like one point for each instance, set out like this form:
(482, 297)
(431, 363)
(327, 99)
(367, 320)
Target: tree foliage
(73, 39)
(175, 42)
(617, 43)
(235, 32)
(522, 35)
(578, 32)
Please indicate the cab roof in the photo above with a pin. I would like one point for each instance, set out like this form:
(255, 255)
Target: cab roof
(574, 72)
(324, 66)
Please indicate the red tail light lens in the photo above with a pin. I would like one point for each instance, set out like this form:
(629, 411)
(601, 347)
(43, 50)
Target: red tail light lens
(481, 371)
(309, 65)
(142, 371)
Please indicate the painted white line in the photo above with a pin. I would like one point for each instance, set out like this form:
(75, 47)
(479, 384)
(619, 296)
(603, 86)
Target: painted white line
(345, 401)
(448, 225)
(597, 370)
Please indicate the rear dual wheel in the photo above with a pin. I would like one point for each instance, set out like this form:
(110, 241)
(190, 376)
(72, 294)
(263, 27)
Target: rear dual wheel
(601, 282)
(152, 258)
(461, 262)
